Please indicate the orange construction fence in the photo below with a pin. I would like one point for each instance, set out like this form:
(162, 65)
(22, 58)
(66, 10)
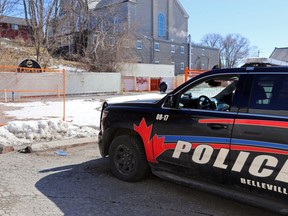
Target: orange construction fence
(56, 91)
(192, 72)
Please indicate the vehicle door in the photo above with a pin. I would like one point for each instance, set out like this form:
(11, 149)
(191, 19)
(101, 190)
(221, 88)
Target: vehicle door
(259, 145)
(196, 128)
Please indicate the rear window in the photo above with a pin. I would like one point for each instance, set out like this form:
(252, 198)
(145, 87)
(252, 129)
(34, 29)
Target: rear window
(269, 95)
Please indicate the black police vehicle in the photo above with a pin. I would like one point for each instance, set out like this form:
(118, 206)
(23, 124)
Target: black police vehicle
(224, 131)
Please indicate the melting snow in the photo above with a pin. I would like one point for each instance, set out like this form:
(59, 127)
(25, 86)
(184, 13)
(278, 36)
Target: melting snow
(42, 121)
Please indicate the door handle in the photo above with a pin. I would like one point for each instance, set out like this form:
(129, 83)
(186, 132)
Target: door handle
(218, 126)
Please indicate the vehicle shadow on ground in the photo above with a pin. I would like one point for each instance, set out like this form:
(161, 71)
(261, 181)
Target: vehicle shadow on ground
(90, 189)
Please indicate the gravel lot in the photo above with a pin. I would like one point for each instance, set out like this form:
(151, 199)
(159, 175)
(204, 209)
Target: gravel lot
(44, 183)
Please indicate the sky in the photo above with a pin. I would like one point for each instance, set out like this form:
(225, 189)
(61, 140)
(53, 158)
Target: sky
(262, 22)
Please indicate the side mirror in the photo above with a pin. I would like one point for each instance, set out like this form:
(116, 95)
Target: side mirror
(170, 101)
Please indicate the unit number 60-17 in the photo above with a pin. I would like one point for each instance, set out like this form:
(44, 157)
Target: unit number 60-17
(161, 117)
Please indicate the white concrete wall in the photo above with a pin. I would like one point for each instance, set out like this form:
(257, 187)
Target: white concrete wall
(87, 82)
(38, 84)
(45, 84)
(29, 84)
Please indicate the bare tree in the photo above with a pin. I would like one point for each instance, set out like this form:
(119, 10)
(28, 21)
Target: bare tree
(112, 41)
(73, 24)
(233, 48)
(107, 53)
(38, 14)
(236, 48)
(212, 40)
(7, 7)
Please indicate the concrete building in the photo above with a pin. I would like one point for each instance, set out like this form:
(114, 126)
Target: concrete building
(280, 54)
(160, 27)
(203, 57)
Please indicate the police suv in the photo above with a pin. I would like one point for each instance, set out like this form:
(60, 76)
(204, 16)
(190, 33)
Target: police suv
(224, 131)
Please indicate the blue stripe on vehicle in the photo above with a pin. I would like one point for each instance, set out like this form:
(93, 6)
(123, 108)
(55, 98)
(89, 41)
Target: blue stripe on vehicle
(174, 139)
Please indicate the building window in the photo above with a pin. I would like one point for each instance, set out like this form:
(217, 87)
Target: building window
(182, 49)
(182, 66)
(203, 52)
(157, 47)
(161, 25)
(14, 26)
(139, 44)
(172, 48)
(117, 22)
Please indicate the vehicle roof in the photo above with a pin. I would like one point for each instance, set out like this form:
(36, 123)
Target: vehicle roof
(272, 69)
(252, 69)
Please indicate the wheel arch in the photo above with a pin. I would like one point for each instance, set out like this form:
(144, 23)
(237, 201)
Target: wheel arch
(119, 132)
(128, 159)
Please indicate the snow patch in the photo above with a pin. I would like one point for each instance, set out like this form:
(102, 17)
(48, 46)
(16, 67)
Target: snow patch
(42, 121)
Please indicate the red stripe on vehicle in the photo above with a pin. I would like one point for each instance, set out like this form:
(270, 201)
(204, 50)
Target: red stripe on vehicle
(220, 121)
(263, 123)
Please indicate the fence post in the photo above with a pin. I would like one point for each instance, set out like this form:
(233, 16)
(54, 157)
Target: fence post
(13, 96)
(58, 93)
(5, 95)
(64, 94)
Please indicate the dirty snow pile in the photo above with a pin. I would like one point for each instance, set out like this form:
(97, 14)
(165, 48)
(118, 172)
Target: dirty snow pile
(19, 132)
(42, 121)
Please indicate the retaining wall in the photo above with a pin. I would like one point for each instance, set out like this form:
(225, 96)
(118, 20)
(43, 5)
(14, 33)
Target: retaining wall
(87, 83)
(45, 84)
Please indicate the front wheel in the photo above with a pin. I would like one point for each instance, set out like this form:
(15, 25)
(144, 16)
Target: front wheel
(128, 159)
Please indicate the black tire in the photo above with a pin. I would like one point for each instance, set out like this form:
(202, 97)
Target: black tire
(128, 159)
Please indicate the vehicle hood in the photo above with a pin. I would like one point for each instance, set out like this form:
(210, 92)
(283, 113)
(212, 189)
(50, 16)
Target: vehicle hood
(130, 101)
(135, 102)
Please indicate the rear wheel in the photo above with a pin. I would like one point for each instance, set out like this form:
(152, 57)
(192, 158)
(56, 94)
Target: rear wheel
(128, 159)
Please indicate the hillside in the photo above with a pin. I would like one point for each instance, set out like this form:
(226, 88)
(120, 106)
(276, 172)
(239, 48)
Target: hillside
(12, 52)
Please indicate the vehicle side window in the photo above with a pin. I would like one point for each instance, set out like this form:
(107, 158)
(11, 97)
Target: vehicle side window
(215, 93)
(269, 95)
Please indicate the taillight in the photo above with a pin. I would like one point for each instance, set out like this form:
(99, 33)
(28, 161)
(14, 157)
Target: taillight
(104, 114)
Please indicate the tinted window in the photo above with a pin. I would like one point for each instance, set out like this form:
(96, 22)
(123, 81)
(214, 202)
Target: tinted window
(269, 95)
